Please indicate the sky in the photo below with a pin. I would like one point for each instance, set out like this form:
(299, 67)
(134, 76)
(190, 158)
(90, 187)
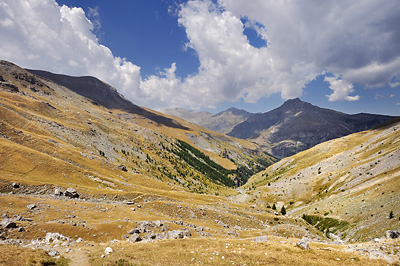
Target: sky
(215, 54)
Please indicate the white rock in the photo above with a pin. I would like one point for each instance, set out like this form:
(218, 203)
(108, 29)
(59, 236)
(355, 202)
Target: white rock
(108, 251)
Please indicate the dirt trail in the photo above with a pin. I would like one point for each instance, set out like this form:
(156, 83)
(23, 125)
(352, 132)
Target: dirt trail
(79, 257)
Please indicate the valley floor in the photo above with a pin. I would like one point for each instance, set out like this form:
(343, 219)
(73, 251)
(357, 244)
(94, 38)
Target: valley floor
(221, 234)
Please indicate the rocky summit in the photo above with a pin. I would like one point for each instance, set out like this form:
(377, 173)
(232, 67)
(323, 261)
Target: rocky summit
(296, 126)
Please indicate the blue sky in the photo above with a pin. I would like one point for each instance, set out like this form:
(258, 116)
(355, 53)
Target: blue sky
(212, 55)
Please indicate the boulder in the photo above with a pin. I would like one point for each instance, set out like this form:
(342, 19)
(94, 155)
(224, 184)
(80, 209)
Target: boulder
(162, 236)
(51, 237)
(108, 251)
(303, 244)
(15, 185)
(58, 192)
(150, 235)
(175, 234)
(54, 253)
(186, 233)
(199, 229)
(135, 238)
(123, 168)
(392, 234)
(134, 231)
(71, 193)
(7, 223)
(31, 206)
(158, 223)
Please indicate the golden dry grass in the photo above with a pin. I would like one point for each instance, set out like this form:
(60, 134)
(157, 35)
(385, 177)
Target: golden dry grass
(199, 251)
(12, 255)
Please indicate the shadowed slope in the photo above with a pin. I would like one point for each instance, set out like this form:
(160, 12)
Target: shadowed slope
(103, 94)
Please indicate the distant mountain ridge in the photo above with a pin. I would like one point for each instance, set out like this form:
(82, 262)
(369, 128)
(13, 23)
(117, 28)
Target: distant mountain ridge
(222, 122)
(293, 127)
(296, 126)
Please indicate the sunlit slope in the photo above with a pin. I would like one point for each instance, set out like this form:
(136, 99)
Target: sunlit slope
(355, 179)
(52, 135)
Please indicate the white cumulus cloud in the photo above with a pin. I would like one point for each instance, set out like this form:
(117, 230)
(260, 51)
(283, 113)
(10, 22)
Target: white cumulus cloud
(355, 42)
(40, 34)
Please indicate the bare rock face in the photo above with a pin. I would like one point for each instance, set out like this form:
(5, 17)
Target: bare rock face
(71, 193)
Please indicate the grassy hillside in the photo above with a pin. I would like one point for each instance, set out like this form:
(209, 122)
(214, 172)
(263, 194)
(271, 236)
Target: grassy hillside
(354, 179)
(65, 138)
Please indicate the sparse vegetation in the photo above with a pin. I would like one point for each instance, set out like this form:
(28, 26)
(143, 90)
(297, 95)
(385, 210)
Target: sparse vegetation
(325, 223)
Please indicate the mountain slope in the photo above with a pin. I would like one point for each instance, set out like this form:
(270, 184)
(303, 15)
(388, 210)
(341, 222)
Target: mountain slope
(222, 122)
(105, 95)
(45, 120)
(298, 125)
(354, 179)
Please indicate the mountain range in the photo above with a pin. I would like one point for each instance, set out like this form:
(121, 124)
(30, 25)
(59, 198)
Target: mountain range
(88, 175)
(293, 127)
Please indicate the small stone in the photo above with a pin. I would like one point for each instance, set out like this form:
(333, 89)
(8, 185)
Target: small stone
(21, 229)
(15, 185)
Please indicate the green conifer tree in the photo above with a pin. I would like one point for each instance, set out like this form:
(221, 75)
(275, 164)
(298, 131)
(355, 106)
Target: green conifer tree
(283, 211)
